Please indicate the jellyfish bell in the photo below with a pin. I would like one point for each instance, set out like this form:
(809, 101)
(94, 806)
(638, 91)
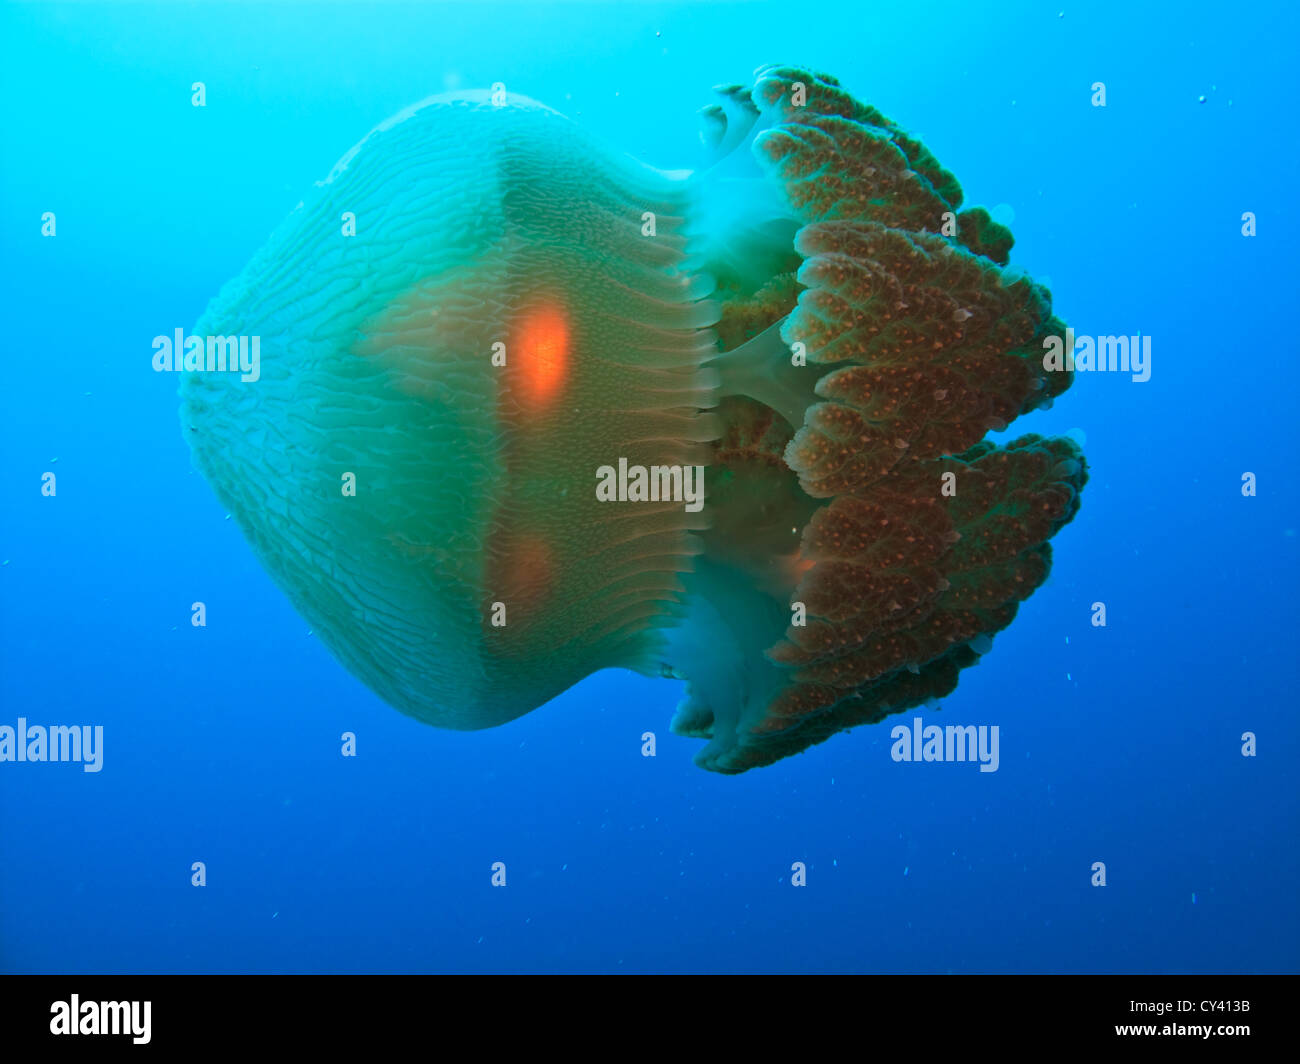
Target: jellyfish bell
(497, 329)
(521, 307)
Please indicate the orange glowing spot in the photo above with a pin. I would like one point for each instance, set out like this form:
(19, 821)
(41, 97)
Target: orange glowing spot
(541, 354)
(790, 569)
(529, 566)
(522, 575)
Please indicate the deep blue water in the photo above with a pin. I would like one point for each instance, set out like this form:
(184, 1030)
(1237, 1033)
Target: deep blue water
(1119, 744)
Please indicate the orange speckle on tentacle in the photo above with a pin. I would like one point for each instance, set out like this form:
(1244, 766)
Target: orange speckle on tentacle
(540, 354)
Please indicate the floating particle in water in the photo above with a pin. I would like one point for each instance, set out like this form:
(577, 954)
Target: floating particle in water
(1200, 99)
(905, 869)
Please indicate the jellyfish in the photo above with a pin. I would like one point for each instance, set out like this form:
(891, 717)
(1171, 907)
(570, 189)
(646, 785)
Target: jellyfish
(494, 349)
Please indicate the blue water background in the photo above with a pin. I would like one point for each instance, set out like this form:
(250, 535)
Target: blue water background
(1119, 744)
